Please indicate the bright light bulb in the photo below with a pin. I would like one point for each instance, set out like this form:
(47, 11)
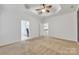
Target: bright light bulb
(43, 10)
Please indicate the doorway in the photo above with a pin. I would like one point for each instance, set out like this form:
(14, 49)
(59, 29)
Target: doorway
(43, 29)
(25, 30)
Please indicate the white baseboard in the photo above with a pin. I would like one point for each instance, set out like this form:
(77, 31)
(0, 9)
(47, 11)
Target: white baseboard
(63, 38)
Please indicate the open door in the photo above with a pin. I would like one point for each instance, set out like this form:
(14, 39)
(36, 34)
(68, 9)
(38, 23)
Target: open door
(25, 30)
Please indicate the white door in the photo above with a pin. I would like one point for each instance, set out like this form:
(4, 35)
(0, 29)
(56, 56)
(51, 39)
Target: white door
(43, 29)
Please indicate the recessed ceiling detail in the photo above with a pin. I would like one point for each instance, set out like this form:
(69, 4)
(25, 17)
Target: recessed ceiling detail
(43, 9)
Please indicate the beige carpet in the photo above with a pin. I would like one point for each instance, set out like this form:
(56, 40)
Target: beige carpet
(41, 46)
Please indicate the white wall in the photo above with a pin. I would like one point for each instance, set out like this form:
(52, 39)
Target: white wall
(63, 26)
(10, 27)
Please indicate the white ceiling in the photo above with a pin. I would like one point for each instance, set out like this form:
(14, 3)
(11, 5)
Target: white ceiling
(55, 9)
(65, 8)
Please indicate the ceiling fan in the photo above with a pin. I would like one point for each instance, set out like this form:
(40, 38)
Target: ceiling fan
(44, 8)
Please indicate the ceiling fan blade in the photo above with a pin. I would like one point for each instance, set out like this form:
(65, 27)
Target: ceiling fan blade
(49, 6)
(43, 5)
(38, 9)
(47, 11)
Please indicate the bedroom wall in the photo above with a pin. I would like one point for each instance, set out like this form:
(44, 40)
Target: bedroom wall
(10, 19)
(63, 26)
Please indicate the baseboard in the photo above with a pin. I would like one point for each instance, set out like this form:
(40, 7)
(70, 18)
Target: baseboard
(8, 43)
(64, 39)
